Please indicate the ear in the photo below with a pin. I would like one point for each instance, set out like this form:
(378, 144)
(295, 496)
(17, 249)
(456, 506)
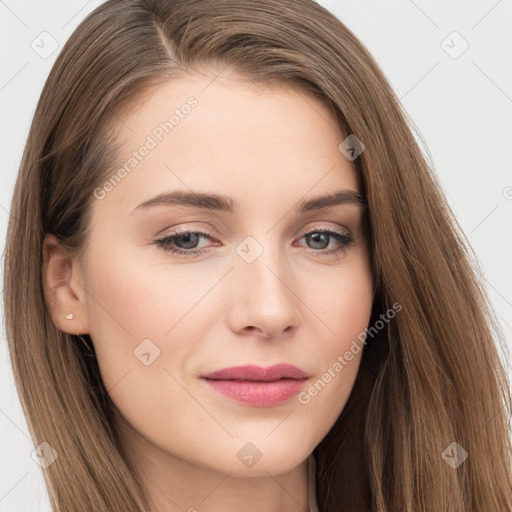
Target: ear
(63, 287)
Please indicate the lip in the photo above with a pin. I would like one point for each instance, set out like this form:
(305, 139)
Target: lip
(258, 373)
(258, 386)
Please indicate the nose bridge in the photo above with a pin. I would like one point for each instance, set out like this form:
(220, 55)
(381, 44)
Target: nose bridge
(264, 295)
(265, 264)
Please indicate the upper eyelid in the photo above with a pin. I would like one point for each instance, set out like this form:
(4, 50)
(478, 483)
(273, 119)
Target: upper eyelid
(202, 231)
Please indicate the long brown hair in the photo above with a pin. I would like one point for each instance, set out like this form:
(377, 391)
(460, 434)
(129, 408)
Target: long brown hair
(431, 377)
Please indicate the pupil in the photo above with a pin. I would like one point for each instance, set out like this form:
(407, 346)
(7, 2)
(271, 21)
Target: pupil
(317, 238)
(187, 237)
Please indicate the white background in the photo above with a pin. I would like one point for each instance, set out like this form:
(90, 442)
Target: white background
(462, 107)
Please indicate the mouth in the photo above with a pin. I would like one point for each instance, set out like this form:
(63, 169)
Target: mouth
(257, 386)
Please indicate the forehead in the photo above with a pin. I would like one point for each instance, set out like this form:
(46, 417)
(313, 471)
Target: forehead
(231, 101)
(209, 133)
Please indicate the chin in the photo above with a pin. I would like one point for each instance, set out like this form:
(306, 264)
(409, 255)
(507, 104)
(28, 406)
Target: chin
(260, 457)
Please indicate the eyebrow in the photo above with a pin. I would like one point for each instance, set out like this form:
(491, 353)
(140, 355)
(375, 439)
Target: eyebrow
(226, 204)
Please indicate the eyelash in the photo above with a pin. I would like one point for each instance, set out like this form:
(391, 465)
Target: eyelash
(165, 243)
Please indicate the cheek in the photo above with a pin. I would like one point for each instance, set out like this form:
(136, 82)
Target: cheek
(343, 307)
(342, 301)
(130, 301)
(348, 314)
(140, 299)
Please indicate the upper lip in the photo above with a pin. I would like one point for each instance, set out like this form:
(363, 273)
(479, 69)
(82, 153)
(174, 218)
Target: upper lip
(258, 373)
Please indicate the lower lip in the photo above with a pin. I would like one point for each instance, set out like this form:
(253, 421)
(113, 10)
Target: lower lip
(262, 394)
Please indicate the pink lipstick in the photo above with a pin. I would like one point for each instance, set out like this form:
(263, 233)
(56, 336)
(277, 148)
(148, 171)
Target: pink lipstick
(254, 385)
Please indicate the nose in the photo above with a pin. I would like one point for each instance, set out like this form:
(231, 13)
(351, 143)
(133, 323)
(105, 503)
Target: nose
(264, 301)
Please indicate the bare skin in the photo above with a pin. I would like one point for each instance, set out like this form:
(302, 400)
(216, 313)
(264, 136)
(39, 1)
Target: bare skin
(268, 150)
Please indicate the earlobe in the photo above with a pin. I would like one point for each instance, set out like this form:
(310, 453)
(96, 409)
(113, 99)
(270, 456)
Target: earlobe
(63, 291)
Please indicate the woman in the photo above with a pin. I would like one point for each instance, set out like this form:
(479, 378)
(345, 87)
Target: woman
(179, 339)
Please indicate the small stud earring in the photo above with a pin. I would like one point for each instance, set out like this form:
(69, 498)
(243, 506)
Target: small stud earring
(70, 316)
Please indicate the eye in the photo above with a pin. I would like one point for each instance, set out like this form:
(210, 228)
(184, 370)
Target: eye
(323, 236)
(184, 242)
(186, 238)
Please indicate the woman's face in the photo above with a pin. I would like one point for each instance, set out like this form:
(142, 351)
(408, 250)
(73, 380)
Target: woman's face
(257, 283)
